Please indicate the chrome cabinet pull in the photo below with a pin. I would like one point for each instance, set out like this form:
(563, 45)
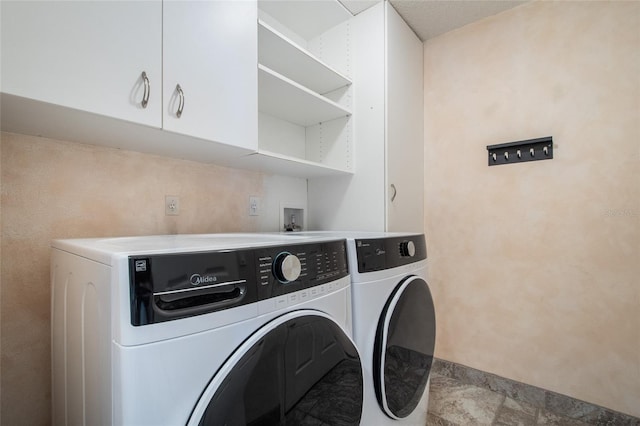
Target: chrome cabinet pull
(181, 103)
(395, 192)
(147, 89)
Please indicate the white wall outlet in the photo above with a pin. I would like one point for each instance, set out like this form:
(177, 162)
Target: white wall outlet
(254, 206)
(171, 205)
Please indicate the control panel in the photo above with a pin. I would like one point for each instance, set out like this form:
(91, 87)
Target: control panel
(299, 267)
(166, 287)
(377, 254)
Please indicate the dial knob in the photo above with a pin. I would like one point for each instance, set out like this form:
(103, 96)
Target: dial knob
(286, 267)
(407, 248)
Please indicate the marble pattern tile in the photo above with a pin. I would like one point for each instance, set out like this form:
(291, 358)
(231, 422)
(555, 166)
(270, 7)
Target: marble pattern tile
(460, 403)
(546, 417)
(433, 420)
(518, 391)
(461, 396)
(517, 413)
(453, 403)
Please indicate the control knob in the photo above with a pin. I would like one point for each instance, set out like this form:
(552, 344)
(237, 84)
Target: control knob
(407, 249)
(286, 267)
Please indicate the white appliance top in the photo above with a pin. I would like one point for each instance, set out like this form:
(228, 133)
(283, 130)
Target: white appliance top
(351, 235)
(103, 250)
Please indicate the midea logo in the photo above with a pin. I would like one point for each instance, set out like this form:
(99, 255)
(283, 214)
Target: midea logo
(197, 279)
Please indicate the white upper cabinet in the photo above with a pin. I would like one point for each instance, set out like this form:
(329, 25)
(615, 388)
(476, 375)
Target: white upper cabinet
(91, 71)
(86, 55)
(257, 84)
(210, 53)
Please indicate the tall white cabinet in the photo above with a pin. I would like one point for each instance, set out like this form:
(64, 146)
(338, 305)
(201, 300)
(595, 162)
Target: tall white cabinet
(404, 133)
(386, 191)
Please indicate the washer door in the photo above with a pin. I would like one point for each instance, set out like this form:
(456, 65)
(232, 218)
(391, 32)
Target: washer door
(404, 344)
(299, 369)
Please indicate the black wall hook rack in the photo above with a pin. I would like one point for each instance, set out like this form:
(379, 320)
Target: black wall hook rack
(521, 151)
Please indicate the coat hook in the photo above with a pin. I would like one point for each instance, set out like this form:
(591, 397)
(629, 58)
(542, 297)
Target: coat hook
(516, 152)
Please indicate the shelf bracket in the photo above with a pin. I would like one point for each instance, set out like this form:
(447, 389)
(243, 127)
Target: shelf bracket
(521, 151)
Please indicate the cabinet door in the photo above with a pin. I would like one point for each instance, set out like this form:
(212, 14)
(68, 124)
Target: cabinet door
(405, 121)
(210, 51)
(87, 55)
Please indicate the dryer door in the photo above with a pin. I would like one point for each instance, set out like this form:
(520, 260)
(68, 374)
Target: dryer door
(299, 369)
(404, 345)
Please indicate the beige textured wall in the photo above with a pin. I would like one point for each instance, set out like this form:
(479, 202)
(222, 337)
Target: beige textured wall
(536, 266)
(53, 189)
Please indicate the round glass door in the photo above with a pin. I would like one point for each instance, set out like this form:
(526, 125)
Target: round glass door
(403, 352)
(299, 369)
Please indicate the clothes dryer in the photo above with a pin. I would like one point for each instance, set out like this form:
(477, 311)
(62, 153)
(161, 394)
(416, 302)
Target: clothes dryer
(394, 324)
(203, 330)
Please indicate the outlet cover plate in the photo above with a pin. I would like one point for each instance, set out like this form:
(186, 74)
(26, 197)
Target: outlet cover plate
(171, 205)
(254, 206)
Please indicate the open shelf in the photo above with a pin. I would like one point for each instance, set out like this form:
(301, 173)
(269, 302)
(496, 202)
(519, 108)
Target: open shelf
(277, 163)
(306, 18)
(282, 97)
(282, 55)
(304, 89)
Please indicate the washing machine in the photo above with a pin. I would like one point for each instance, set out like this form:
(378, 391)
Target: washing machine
(394, 323)
(235, 329)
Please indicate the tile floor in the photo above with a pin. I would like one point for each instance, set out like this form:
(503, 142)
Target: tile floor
(454, 403)
(461, 395)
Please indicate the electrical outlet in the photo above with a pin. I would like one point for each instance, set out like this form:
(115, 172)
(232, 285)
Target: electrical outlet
(171, 205)
(254, 206)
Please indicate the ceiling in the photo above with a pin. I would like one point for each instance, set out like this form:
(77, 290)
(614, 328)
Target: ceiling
(430, 18)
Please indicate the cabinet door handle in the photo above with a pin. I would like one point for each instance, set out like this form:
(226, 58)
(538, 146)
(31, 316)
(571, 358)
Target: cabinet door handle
(147, 89)
(395, 192)
(181, 103)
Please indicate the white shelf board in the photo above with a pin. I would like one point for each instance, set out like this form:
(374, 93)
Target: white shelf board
(284, 56)
(307, 18)
(279, 164)
(284, 98)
